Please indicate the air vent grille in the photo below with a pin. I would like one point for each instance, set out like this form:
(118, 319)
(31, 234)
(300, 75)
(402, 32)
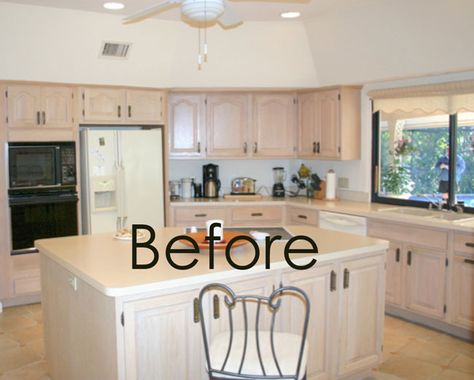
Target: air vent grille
(115, 50)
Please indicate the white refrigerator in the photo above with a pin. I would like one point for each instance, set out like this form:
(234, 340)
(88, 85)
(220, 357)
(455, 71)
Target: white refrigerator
(121, 177)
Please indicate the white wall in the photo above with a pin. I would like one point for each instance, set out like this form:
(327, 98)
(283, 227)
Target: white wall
(59, 45)
(387, 39)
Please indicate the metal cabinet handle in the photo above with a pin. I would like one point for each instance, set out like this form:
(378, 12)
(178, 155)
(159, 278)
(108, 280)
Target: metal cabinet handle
(471, 245)
(314, 146)
(332, 282)
(199, 147)
(302, 217)
(245, 147)
(318, 147)
(256, 214)
(43, 114)
(119, 111)
(129, 111)
(196, 310)
(38, 118)
(397, 255)
(469, 261)
(200, 215)
(215, 302)
(255, 147)
(409, 258)
(346, 278)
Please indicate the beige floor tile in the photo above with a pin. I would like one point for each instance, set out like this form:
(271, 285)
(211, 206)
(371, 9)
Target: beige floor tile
(454, 344)
(450, 374)
(463, 363)
(393, 323)
(393, 343)
(409, 368)
(37, 346)
(382, 376)
(26, 335)
(14, 311)
(6, 342)
(14, 322)
(430, 352)
(35, 371)
(17, 357)
(420, 332)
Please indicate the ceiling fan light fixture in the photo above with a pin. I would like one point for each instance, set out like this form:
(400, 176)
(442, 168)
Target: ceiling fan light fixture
(114, 6)
(202, 10)
(290, 14)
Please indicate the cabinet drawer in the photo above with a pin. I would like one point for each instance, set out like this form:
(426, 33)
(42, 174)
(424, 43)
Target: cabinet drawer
(409, 234)
(197, 216)
(464, 242)
(26, 285)
(260, 215)
(302, 216)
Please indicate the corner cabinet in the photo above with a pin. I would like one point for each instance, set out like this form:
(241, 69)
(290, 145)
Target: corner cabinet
(329, 124)
(119, 106)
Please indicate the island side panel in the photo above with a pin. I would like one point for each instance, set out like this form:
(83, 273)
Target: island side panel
(79, 326)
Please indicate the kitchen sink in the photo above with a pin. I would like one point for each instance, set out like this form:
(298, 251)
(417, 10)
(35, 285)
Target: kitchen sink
(430, 214)
(408, 211)
(451, 216)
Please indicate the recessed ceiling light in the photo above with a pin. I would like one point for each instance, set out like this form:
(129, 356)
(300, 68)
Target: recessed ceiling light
(290, 14)
(114, 6)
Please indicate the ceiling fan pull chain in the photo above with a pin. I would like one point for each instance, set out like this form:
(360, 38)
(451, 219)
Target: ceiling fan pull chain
(199, 49)
(205, 31)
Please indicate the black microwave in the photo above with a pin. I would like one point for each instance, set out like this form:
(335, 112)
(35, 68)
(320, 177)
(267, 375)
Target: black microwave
(41, 165)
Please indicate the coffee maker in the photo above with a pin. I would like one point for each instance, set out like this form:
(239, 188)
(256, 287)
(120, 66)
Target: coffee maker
(278, 179)
(210, 180)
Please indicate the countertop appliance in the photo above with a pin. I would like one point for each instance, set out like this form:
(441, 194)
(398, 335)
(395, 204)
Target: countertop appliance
(121, 177)
(343, 223)
(42, 193)
(279, 176)
(210, 179)
(243, 186)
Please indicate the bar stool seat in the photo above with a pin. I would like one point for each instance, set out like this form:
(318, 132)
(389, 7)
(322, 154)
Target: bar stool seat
(286, 350)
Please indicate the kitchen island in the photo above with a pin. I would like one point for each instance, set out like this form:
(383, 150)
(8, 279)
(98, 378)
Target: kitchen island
(104, 320)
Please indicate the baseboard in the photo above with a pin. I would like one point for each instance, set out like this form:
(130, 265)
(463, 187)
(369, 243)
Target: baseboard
(21, 300)
(435, 324)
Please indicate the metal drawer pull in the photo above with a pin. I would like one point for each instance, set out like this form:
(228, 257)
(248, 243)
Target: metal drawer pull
(129, 111)
(397, 255)
(302, 217)
(215, 305)
(200, 215)
(314, 147)
(245, 147)
(471, 245)
(119, 111)
(409, 258)
(318, 147)
(469, 261)
(346, 278)
(255, 148)
(332, 285)
(38, 118)
(44, 117)
(196, 310)
(256, 214)
(199, 147)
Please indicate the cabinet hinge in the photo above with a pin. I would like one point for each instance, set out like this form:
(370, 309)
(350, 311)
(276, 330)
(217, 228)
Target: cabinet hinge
(6, 94)
(445, 308)
(205, 101)
(161, 99)
(447, 261)
(294, 101)
(382, 347)
(338, 96)
(83, 113)
(339, 149)
(122, 319)
(7, 119)
(83, 96)
(72, 95)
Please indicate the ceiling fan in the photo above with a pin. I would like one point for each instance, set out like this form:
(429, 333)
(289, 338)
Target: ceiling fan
(197, 11)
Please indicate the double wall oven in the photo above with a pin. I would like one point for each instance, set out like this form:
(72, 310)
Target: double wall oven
(42, 192)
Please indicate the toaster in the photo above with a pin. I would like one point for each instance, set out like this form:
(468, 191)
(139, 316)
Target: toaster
(243, 186)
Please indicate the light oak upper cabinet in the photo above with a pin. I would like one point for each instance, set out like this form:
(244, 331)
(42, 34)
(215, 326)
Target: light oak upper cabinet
(274, 122)
(111, 105)
(329, 124)
(227, 120)
(186, 132)
(37, 106)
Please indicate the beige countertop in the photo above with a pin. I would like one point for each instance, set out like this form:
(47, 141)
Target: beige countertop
(106, 263)
(366, 209)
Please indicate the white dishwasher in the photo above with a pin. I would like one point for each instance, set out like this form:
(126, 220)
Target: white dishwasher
(342, 222)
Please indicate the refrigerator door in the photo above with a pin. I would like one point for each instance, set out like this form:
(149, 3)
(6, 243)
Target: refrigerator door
(141, 159)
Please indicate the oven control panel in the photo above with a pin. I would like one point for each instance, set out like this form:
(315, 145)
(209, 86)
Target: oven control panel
(68, 165)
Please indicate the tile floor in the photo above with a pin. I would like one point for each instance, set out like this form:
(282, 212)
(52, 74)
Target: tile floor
(411, 351)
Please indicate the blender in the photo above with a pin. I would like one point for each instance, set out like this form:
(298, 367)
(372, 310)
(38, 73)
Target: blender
(279, 177)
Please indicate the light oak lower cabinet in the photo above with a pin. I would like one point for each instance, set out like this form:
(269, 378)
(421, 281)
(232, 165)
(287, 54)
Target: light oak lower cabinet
(301, 215)
(393, 275)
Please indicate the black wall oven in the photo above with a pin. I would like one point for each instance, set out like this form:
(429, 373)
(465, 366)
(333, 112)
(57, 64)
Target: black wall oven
(42, 193)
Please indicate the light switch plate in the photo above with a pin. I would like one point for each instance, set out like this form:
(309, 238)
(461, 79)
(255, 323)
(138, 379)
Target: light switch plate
(343, 182)
(73, 282)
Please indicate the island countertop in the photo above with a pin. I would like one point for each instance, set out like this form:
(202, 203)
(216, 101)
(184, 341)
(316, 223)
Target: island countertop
(106, 263)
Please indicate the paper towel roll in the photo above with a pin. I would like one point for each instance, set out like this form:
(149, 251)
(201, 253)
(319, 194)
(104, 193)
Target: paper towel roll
(331, 185)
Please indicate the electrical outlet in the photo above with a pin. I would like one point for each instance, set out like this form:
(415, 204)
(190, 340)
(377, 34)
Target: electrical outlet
(73, 283)
(343, 182)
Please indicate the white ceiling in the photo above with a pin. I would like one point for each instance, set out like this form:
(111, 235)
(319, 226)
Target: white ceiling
(250, 10)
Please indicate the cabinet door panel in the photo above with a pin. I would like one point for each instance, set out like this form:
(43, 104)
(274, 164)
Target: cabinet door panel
(425, 281)
(463, 291)
(329, 123)
(361, 311)
(227, 125)
(185, 120)
(104, 104)
(56, 103)
(23, 105)
(144, 106)
(274, 125)
(163, 326)
(393, 274)
(308, 124)
(322, 326)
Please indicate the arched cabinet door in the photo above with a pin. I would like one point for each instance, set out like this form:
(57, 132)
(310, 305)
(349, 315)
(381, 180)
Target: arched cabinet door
(23, 106)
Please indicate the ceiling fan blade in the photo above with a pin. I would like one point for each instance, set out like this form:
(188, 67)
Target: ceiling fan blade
(229, 18)
(148, 12)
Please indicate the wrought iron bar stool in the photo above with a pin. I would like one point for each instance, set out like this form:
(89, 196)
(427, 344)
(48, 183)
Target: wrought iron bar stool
(243, 351)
